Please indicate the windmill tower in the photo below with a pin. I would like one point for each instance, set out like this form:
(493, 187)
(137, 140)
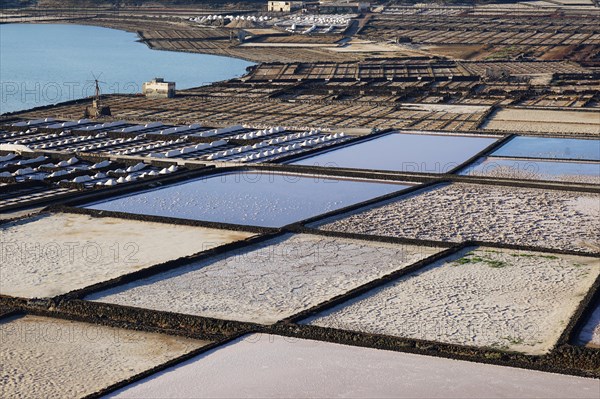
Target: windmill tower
(96, 110)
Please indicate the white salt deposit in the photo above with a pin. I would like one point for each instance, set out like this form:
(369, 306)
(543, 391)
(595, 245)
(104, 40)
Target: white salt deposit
(461, 212)
(53, 358)
(518, 301)
(44, 256)
(275, 367)
(268, 282)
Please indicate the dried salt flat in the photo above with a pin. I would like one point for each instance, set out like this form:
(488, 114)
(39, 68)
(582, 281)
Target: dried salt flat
(53, 358)
(461, 212)
(548, 147)
(49, 255)
(431, 153)
(264, 199)
(544, 121)
(504, 299)
(579, 172)
(267, 282)
(590, 334)
(271, 366)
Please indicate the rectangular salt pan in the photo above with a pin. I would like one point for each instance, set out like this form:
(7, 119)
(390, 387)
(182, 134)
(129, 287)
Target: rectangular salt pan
(462, 212)
(505, 299)
(267, 282)
(249, 198)
(403, 152)
(49, 255)
(54, 358)
(581, 172)
(550, 148)
(269, 366)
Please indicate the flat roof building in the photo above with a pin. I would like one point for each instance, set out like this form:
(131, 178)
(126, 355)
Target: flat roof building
(284, 6)
(158, 88)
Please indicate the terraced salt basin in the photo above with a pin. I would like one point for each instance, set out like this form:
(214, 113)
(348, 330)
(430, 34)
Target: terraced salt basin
(550, 148)
(276, 367)
(268, 282)
(54, 358)
(52, 254)
(463, 212)
(504, 299)
(579, 172)
(264, 199)
(590, 333)
(544, 121)
(406, 152)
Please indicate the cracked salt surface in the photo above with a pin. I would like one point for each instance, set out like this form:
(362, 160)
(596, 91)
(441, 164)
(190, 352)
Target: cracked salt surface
(271, 366)
(462, 212)
(267, 282)
(511, 300)
(49, 255)
(250, 198)
(403, 152)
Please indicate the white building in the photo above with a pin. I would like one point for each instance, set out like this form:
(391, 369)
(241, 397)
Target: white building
(284, 6)
(158, 88)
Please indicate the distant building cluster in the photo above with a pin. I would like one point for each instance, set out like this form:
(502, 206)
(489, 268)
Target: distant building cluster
(330, 6)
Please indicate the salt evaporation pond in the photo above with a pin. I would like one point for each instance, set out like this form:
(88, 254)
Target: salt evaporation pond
(53, 254)
(269, 366)
(52, 358)
(50, 63)
(485, 297)
(551, 148)
(406, 152)
(267, 282)
(583, 172)
(249, 198)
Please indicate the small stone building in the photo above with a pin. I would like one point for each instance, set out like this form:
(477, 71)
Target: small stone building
(284, 6)
(158, 88)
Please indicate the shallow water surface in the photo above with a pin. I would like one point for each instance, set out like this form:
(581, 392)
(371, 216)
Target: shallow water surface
(534, 169)
(551, 148)
(403, 152)
(250, 198)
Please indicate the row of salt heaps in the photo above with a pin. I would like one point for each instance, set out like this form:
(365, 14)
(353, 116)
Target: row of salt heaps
(102, 126)
(252, 18)
(69, 140)
(187, 150)
(273, 149)
(135, 175)
(34, 122)
(260, 133)
(148, 147)
(41, 138)
(69, 124)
